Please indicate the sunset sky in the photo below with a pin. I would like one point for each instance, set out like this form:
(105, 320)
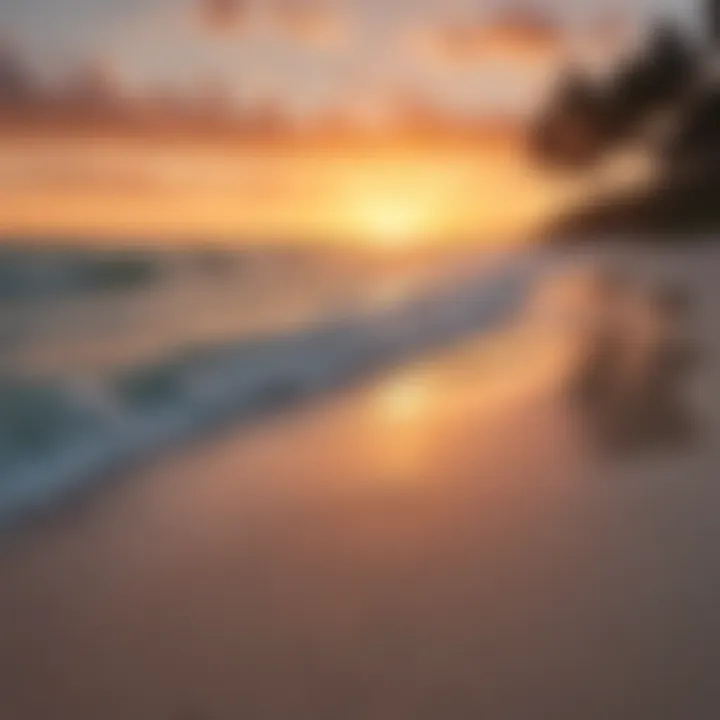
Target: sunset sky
(469, 55)
(364, 59)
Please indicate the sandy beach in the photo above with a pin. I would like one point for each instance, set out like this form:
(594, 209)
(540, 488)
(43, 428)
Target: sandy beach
(447, 541)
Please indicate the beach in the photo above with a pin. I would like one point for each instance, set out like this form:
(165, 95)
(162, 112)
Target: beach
(446, 540)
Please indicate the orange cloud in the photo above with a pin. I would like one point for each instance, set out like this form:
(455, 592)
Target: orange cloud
(319, 25)
(521, 36)
(222, 16)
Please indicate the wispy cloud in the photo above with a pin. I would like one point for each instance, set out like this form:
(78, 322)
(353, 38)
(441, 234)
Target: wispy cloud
(223, 16)
(521, 37)
(313, 24)
(318, 25)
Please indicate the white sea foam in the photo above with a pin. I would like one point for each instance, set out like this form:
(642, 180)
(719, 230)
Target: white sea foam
(56, 437)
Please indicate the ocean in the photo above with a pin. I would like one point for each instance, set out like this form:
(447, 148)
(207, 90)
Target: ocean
(109, 355)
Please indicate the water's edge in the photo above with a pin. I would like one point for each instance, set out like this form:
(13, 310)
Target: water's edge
(149, 409)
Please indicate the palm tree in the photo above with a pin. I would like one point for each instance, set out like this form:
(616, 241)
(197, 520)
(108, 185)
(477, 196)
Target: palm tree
(673, 79)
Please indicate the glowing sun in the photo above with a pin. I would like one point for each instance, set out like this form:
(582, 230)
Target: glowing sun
(391, 222)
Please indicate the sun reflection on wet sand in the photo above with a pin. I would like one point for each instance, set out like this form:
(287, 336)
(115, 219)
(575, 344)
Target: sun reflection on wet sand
(403, 399)
(400, 415)
(410, 415)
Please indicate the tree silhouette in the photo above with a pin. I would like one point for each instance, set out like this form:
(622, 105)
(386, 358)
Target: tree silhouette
(665, 99)
(587, 119)
(573, 128)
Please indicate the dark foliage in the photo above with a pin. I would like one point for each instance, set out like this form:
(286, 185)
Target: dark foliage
(658, 78)
(585, 120)
(673, 209)
(572, 130)
(697, 141)
(671, 79)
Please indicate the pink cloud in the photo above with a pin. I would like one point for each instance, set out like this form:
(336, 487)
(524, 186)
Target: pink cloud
(316, 24)
(223, 16)
(519, 36)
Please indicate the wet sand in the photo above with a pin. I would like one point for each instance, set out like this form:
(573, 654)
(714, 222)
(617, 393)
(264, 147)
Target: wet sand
(444, 543)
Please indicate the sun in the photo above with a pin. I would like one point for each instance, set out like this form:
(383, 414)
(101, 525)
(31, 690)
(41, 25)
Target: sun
(391, 222)
(394, 204)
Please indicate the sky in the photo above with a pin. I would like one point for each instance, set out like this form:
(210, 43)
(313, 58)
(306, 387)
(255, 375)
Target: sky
(308, 58)
(306, 55)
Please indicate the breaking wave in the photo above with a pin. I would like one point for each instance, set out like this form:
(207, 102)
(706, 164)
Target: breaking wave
(62, 435)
